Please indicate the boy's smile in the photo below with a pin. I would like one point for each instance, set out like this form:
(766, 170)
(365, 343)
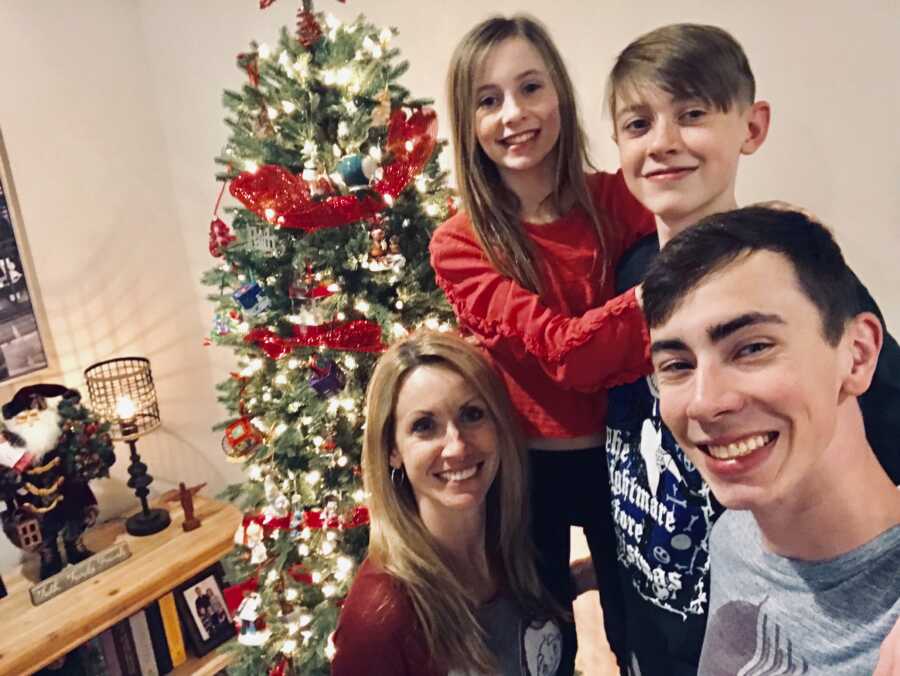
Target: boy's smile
(680, 157)
(749, 385)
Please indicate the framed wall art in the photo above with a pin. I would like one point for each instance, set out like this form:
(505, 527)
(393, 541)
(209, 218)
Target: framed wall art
(24, 336)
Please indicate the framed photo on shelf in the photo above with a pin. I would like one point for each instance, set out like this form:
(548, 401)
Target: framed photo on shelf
(24, 336)
(203, 612)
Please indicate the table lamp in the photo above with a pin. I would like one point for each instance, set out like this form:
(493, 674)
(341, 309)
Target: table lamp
(122, 392)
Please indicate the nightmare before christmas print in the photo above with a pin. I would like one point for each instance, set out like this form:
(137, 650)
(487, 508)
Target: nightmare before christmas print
(660, 504)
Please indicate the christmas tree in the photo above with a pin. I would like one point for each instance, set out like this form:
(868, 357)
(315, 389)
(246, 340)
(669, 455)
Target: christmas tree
(324, 262)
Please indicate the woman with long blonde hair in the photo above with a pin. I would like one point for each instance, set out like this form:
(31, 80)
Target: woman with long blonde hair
(449, 584)
(528, 267)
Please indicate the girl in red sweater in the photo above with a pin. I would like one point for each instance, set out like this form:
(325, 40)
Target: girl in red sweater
(528, 269)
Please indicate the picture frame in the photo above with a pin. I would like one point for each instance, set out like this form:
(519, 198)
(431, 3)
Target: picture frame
(25, 345)
(204, 615)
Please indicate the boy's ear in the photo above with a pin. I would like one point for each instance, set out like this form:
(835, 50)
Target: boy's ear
(757, 126)
(862, 339)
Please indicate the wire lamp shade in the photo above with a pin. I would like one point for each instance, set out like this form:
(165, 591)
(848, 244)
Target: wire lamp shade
(112, 384)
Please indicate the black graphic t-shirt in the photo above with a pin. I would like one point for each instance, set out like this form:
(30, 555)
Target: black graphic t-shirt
(663, 510)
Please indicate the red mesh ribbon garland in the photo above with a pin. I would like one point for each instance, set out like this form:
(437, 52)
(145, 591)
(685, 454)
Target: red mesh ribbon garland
(312, 519)
(274, 187)
(358, 335)
(420, 130)
(332, 212)
(270, 187)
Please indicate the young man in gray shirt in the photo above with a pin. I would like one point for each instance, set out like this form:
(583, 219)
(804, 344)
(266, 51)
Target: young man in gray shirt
(761, 350)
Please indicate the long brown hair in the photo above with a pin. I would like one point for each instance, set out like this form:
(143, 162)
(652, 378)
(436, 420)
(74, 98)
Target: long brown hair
(492, 207)
(400, 543)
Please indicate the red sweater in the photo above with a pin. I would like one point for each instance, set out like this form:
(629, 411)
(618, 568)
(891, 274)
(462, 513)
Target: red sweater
(378, 633)
(557, 353)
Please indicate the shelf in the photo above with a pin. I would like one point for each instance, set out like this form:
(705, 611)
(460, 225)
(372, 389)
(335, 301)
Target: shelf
(33, 636)
(208, 665)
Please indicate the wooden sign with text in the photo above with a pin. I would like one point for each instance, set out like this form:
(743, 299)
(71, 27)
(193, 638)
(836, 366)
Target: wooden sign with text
(73, 575)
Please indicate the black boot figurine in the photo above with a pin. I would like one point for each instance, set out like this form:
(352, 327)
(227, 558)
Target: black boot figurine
(76, 552)
(51, 561)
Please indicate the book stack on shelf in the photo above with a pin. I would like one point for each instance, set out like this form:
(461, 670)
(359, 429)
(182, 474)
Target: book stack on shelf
(159, 611)
(156, 640)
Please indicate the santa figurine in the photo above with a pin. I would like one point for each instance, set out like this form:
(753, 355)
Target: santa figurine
(50, 447)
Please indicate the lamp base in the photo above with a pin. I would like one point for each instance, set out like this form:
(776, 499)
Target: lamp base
(147, 523)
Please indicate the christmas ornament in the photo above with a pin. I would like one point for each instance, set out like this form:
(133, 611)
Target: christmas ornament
(264, 240)
(308, 29)
(248, 614)
(356, 170)
(220, 326)
(382, 112)
(270, 191)
(220, 237)
(241, 440)
(280, 669)
(327, 378)
(252, 298)
(358, 335)
(379, 246)
(249, 61)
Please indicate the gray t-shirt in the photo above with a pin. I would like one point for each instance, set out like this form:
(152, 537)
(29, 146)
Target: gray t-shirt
(774, 615)
(523, 646)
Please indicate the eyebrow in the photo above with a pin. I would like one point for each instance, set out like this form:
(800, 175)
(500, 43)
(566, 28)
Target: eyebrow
(718, 332)
(673, 345)
(520, 76)
(721, 331)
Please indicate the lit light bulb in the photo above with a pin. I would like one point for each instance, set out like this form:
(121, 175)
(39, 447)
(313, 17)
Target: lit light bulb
(251, 166)
(289, 646)
(291, 594)
(281, 379)
(312, 478)
(271, 112)
(288, 107)
(329, 590)
(125, 408)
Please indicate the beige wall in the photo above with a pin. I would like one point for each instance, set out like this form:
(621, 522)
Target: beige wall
(111, 112)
